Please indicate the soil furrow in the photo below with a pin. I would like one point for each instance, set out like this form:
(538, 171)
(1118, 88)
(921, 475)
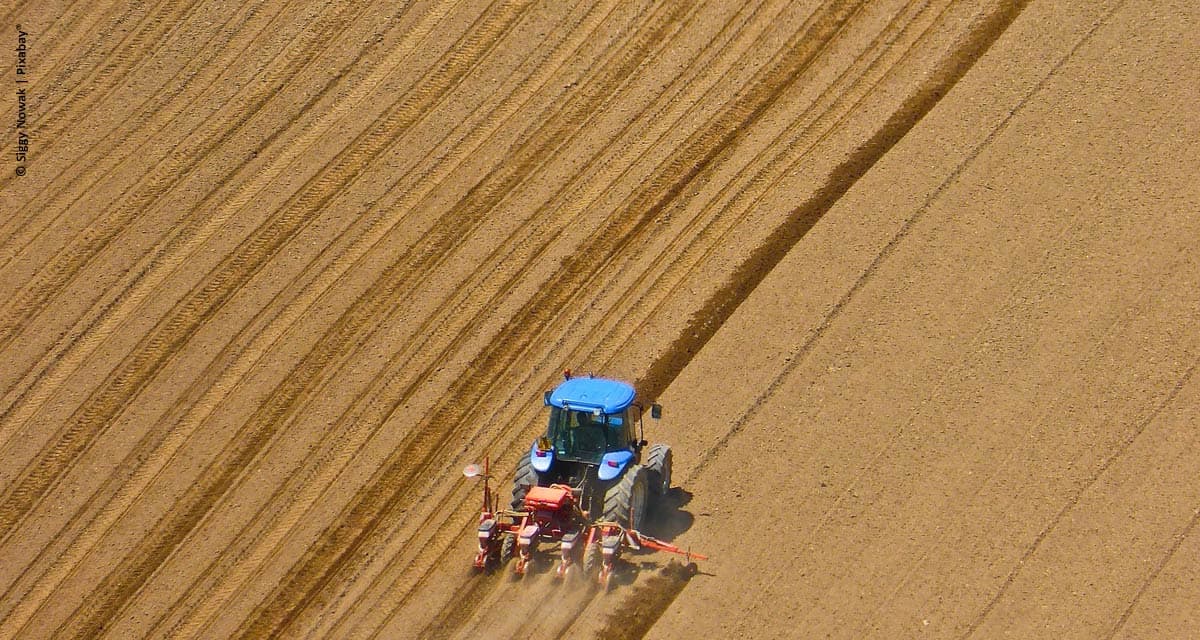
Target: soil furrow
(125, 580)
(66, 43)
(106, 402)
(184, 159)
(106, 74)
(234, 369)
(207, 218)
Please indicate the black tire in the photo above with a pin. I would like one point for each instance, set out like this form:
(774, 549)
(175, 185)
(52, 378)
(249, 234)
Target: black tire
(508, 546)
(625, 501)
(658, 463)
(526, 476)
(592, 557)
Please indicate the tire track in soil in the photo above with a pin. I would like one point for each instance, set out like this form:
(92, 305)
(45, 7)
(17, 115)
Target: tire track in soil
(71, 261)
(206, 219)
(131, 53)
(182, 161)
(108, 73)
(373, 505)
(135, 293)
(64, 37)
(1077, 495)
(747, 275)
(1158, 567)
(100, 160)
(22, 497)
(134, 49)
(1091, 480)
(124, 581)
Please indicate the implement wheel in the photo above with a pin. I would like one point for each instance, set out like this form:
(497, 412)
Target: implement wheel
(592, 558)
(508, 546)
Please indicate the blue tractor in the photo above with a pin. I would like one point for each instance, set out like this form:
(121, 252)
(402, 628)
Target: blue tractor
(591, 445)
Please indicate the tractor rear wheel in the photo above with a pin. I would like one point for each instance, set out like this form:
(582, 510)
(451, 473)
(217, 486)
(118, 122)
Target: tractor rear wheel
(658, 463)
(525, 477)
(625, 501)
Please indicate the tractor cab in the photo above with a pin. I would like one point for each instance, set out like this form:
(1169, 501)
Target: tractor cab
(590, 423)
(585, 435)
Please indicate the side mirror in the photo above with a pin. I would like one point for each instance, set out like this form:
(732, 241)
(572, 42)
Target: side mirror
(656, 411)
(546, 398)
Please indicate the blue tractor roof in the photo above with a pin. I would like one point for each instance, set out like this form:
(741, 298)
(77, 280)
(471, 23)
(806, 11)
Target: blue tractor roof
(609, 396)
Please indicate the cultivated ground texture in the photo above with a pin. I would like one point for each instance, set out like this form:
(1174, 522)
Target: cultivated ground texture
(916, 282)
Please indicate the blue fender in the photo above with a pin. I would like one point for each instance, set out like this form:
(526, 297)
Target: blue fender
(612, 464)
(540, 460)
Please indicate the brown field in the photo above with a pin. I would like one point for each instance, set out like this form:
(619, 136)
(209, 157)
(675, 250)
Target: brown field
(916, 282)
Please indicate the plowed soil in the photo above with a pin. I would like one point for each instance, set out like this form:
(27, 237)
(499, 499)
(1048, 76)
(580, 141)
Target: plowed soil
(916, 282)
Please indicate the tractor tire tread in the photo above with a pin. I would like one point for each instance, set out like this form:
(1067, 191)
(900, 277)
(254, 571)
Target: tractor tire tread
(659, 465)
